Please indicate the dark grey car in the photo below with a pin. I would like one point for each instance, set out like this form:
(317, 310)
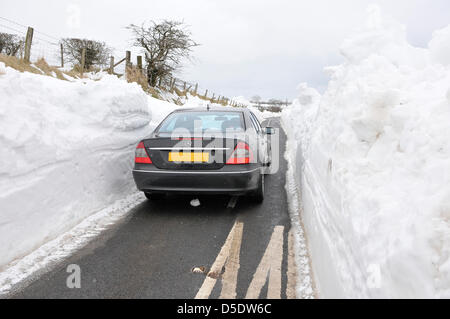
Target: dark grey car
(204, 151)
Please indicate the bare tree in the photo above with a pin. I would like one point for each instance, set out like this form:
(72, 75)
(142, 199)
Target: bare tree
(97, 53)
(10, 44)
(165, 45)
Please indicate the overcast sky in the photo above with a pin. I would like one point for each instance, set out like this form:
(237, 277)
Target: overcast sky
(248, 47)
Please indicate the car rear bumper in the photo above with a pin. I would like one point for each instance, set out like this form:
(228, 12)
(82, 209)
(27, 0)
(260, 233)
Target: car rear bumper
(197, 182)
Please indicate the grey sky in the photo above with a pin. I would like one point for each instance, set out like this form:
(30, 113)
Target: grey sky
(248, 47)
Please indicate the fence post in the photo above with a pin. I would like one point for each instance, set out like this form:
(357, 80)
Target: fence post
(111, 65)
(83, 60)
(139, 62)
(206, 93)
(127, 61)
(62, 55)
(28, 42)
(184, 87)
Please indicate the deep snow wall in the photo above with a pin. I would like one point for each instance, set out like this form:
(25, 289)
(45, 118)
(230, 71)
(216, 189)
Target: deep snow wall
(372, 157)
(66, 152)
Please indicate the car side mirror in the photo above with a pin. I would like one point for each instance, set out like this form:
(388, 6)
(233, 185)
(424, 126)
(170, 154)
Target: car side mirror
(269, 130)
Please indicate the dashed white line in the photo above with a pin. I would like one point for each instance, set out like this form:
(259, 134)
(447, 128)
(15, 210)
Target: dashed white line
(271, 264)
(230, 276)
(216, 269)
(269, 267)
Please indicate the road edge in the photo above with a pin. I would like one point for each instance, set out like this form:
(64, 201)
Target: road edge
(19, 273)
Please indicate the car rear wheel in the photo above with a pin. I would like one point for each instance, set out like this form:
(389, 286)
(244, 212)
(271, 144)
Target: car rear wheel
(151, 196)
(259, 193)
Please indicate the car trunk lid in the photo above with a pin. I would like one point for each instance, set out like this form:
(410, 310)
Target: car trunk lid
(194, 153)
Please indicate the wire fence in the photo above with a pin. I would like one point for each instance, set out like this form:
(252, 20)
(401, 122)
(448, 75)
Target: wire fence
(43, 46)
(48, 47)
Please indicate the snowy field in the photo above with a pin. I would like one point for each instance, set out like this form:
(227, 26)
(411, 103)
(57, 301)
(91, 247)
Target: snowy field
(372, 157)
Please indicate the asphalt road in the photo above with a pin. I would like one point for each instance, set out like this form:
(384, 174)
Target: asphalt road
(244, 251)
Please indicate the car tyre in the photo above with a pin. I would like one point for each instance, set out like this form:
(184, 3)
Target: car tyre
(259, 193)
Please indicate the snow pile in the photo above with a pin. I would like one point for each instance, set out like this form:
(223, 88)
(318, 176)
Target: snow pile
(2, 68)
(372, 157)
(66, 152)
(303, 110)
(440, 46)
(260, 115)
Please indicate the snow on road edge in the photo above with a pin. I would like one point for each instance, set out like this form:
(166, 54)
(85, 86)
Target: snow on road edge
(305, 279)
(66, 244)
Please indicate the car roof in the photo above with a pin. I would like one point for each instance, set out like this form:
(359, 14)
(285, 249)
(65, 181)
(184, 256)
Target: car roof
(214, 109)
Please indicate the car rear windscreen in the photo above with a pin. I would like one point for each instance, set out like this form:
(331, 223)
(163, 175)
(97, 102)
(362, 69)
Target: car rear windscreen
(203, 122)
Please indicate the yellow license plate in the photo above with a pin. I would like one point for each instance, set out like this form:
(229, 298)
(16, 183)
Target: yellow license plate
(189, 157)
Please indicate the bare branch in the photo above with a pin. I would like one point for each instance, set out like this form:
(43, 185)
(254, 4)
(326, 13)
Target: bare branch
(165, 46)
(10, 44)
(97, 53)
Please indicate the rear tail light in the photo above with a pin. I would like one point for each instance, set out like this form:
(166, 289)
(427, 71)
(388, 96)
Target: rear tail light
(142, 155)
(241, 155)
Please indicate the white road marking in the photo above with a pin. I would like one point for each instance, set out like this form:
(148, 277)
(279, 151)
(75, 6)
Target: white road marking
(216, 269)
(292, 272)
(233, 201)
(271, 264)
(230, 276)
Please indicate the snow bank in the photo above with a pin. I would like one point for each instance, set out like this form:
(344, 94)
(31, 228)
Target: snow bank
(66, 152)
(260, 115)
(440, 46)
(2, 68)
(372, 157)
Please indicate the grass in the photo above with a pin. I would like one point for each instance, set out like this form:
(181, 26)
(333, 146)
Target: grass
(179, 92)
(77, 69)
(41, 67)
(49, 70)
(183, 93)
(209, 99)
(18, 64)
(137, 76)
